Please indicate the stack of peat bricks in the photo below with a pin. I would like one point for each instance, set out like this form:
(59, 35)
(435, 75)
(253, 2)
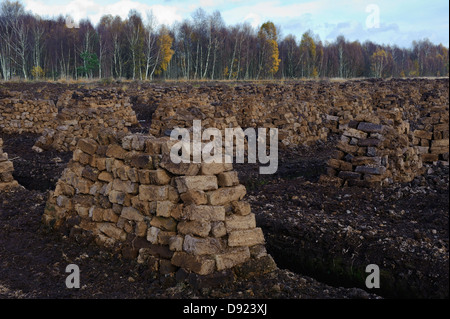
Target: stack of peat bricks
(187, 218)
(7, 181)
(19, 115)
(432, 134)
(304, 113)
(298, 123)
(413, 115)
(84, 113)
(375, 149)
(92, 98)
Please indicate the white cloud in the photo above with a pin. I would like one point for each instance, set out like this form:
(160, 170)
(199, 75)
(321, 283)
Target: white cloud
(78, 9)
(81, 9)
(253, 19)
(272, 10)
(164, 14)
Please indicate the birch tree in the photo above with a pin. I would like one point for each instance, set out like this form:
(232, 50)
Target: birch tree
(269, 54)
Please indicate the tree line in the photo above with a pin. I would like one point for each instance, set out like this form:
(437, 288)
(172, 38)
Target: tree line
(202, 47)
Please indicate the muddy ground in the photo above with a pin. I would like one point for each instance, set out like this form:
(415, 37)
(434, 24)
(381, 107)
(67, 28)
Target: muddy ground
(321, 237)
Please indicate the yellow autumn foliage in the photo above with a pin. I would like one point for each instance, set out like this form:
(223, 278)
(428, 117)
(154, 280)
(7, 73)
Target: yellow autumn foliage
(37, 72)
(274, 58)
(268, 35)
(165, 45)
(378, 62)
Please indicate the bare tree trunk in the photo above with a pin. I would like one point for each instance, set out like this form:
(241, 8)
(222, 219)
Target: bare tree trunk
(38, 32)
(75, 63)
(232, 58)
(341, 61)
(133, 39)
(247, 65)
(5, 55)
(239, 59)
(188, 65)
(133, 53)
(196, 61)
(62, 63)
(209, 52)
(156, 64)
(216, 46)
(100, 56)
(21, 49)
(201, 59)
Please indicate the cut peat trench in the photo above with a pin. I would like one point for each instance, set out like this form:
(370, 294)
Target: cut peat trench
(32, 170)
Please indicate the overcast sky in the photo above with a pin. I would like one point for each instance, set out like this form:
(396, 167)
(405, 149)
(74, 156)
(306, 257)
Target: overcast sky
(382, 21)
